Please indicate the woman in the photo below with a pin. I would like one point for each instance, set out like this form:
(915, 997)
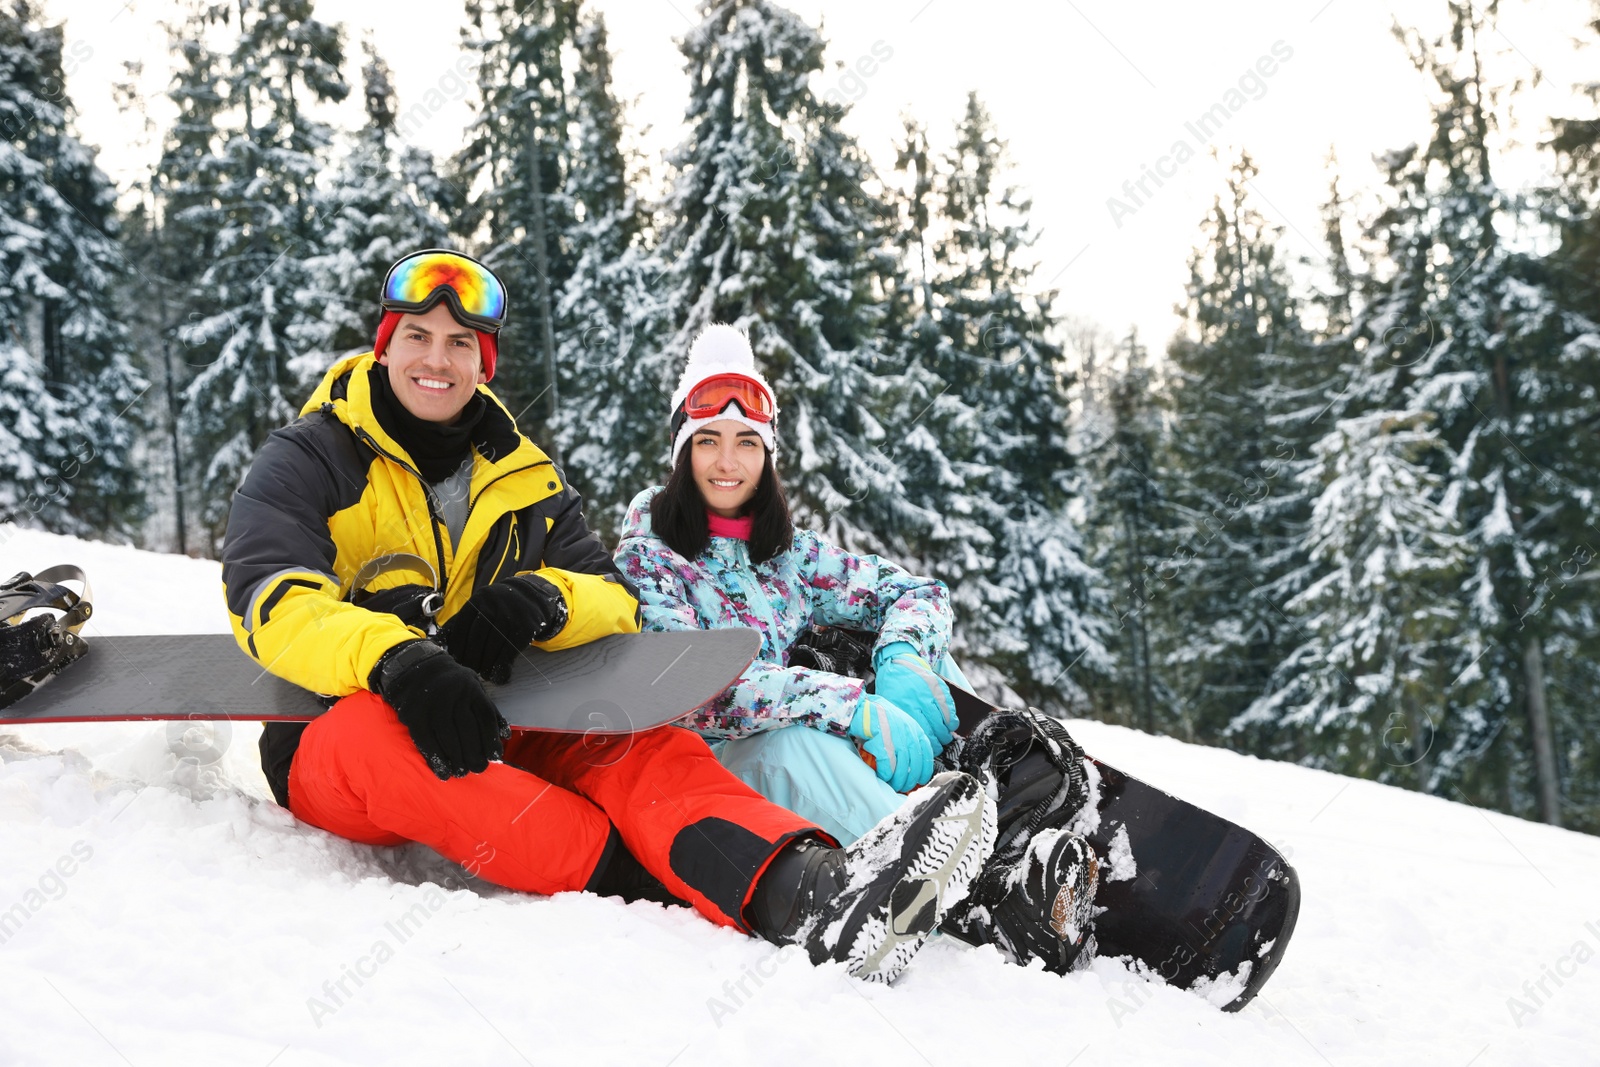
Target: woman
(716, 547)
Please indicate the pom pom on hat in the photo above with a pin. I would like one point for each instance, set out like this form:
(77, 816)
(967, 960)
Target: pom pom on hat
(721, 349)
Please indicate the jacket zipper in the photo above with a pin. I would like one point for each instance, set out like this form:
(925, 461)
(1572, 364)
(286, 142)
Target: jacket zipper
(433, 516)
(474, 502)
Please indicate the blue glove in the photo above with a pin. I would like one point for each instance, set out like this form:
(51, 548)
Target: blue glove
(907, 680)
(900, 750)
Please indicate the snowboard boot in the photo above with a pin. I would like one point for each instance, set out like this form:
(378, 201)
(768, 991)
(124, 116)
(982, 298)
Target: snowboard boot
(872, 905)
(798, 882)
(1037, 908)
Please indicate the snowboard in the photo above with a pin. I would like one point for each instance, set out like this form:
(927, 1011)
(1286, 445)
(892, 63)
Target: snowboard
(616, 685)
(1194, 898)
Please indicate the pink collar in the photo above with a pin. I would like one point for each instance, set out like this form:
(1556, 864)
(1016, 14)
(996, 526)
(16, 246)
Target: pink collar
(721, 527)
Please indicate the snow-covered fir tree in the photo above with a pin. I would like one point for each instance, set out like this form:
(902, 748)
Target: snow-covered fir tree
(914, 158)
(1126, 521)
(263, 214)
(1572, 207)
(1379, 620)
(938, 423)
(513, 170)
(174, 243)
(1507, 376)
(1036, 615)
(1330, 718)
(1394, 337)
(933, 404)
(614, 380)
(383, 202)
(1238, 404)
(69, 414)
(775, 226)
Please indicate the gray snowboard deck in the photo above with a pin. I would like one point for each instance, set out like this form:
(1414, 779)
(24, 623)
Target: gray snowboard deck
(616, 685)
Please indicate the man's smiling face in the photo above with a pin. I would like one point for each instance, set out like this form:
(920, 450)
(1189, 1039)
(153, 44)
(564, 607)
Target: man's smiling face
(434, 364)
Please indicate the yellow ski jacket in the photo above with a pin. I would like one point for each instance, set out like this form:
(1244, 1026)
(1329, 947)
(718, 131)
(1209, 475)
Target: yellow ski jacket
(332, 492)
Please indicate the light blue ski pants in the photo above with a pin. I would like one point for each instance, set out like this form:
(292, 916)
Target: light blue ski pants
(819, 776)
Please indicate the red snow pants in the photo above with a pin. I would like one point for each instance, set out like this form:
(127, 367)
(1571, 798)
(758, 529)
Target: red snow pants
(540, 821)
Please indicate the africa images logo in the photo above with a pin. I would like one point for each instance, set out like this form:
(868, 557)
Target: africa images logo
(1251, 85)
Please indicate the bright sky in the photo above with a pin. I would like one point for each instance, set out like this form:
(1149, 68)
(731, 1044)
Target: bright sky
(1089, 94)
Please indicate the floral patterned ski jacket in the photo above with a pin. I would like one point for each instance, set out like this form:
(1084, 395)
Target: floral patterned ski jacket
(813, 583)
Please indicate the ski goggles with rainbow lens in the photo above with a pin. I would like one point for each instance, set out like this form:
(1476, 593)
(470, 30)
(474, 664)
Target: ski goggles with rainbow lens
(421, 280)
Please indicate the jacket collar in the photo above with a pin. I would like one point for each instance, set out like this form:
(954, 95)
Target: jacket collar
(346, 393)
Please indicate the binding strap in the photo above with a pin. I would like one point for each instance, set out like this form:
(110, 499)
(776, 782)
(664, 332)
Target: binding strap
(1039, 770)
(34, 649)
(24, 592)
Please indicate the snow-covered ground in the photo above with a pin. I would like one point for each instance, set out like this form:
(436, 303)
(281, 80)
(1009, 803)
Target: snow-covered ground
(162, 909)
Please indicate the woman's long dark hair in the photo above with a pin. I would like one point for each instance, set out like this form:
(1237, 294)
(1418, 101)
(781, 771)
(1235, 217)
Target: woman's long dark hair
(678, 513)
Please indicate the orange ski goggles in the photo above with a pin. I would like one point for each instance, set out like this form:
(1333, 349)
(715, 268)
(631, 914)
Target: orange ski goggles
(711, 397)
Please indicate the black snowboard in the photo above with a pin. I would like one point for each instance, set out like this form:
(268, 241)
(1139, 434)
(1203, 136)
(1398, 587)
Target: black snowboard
(1209, 896)
(615, 685)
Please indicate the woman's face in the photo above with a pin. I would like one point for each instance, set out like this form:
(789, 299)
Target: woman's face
(727, 458)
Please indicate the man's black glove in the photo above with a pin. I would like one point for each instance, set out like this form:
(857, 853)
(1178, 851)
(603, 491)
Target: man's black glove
(497, 624)
(452, 721)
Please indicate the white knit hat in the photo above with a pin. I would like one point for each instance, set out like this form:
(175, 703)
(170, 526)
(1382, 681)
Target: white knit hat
(721, 349)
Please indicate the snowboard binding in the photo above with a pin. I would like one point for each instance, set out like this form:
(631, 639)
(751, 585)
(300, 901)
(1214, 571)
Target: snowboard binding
(1035, 896)
(1041, 784)
(1037, 767)
(835, 649)
(35, 647)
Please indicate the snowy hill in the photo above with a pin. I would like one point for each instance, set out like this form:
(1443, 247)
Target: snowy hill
(159, 911)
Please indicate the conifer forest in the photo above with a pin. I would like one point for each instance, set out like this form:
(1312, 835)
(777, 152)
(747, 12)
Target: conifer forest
(1346, 518)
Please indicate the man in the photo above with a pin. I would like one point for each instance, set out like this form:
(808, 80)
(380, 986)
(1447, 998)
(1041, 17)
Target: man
(404, 452)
